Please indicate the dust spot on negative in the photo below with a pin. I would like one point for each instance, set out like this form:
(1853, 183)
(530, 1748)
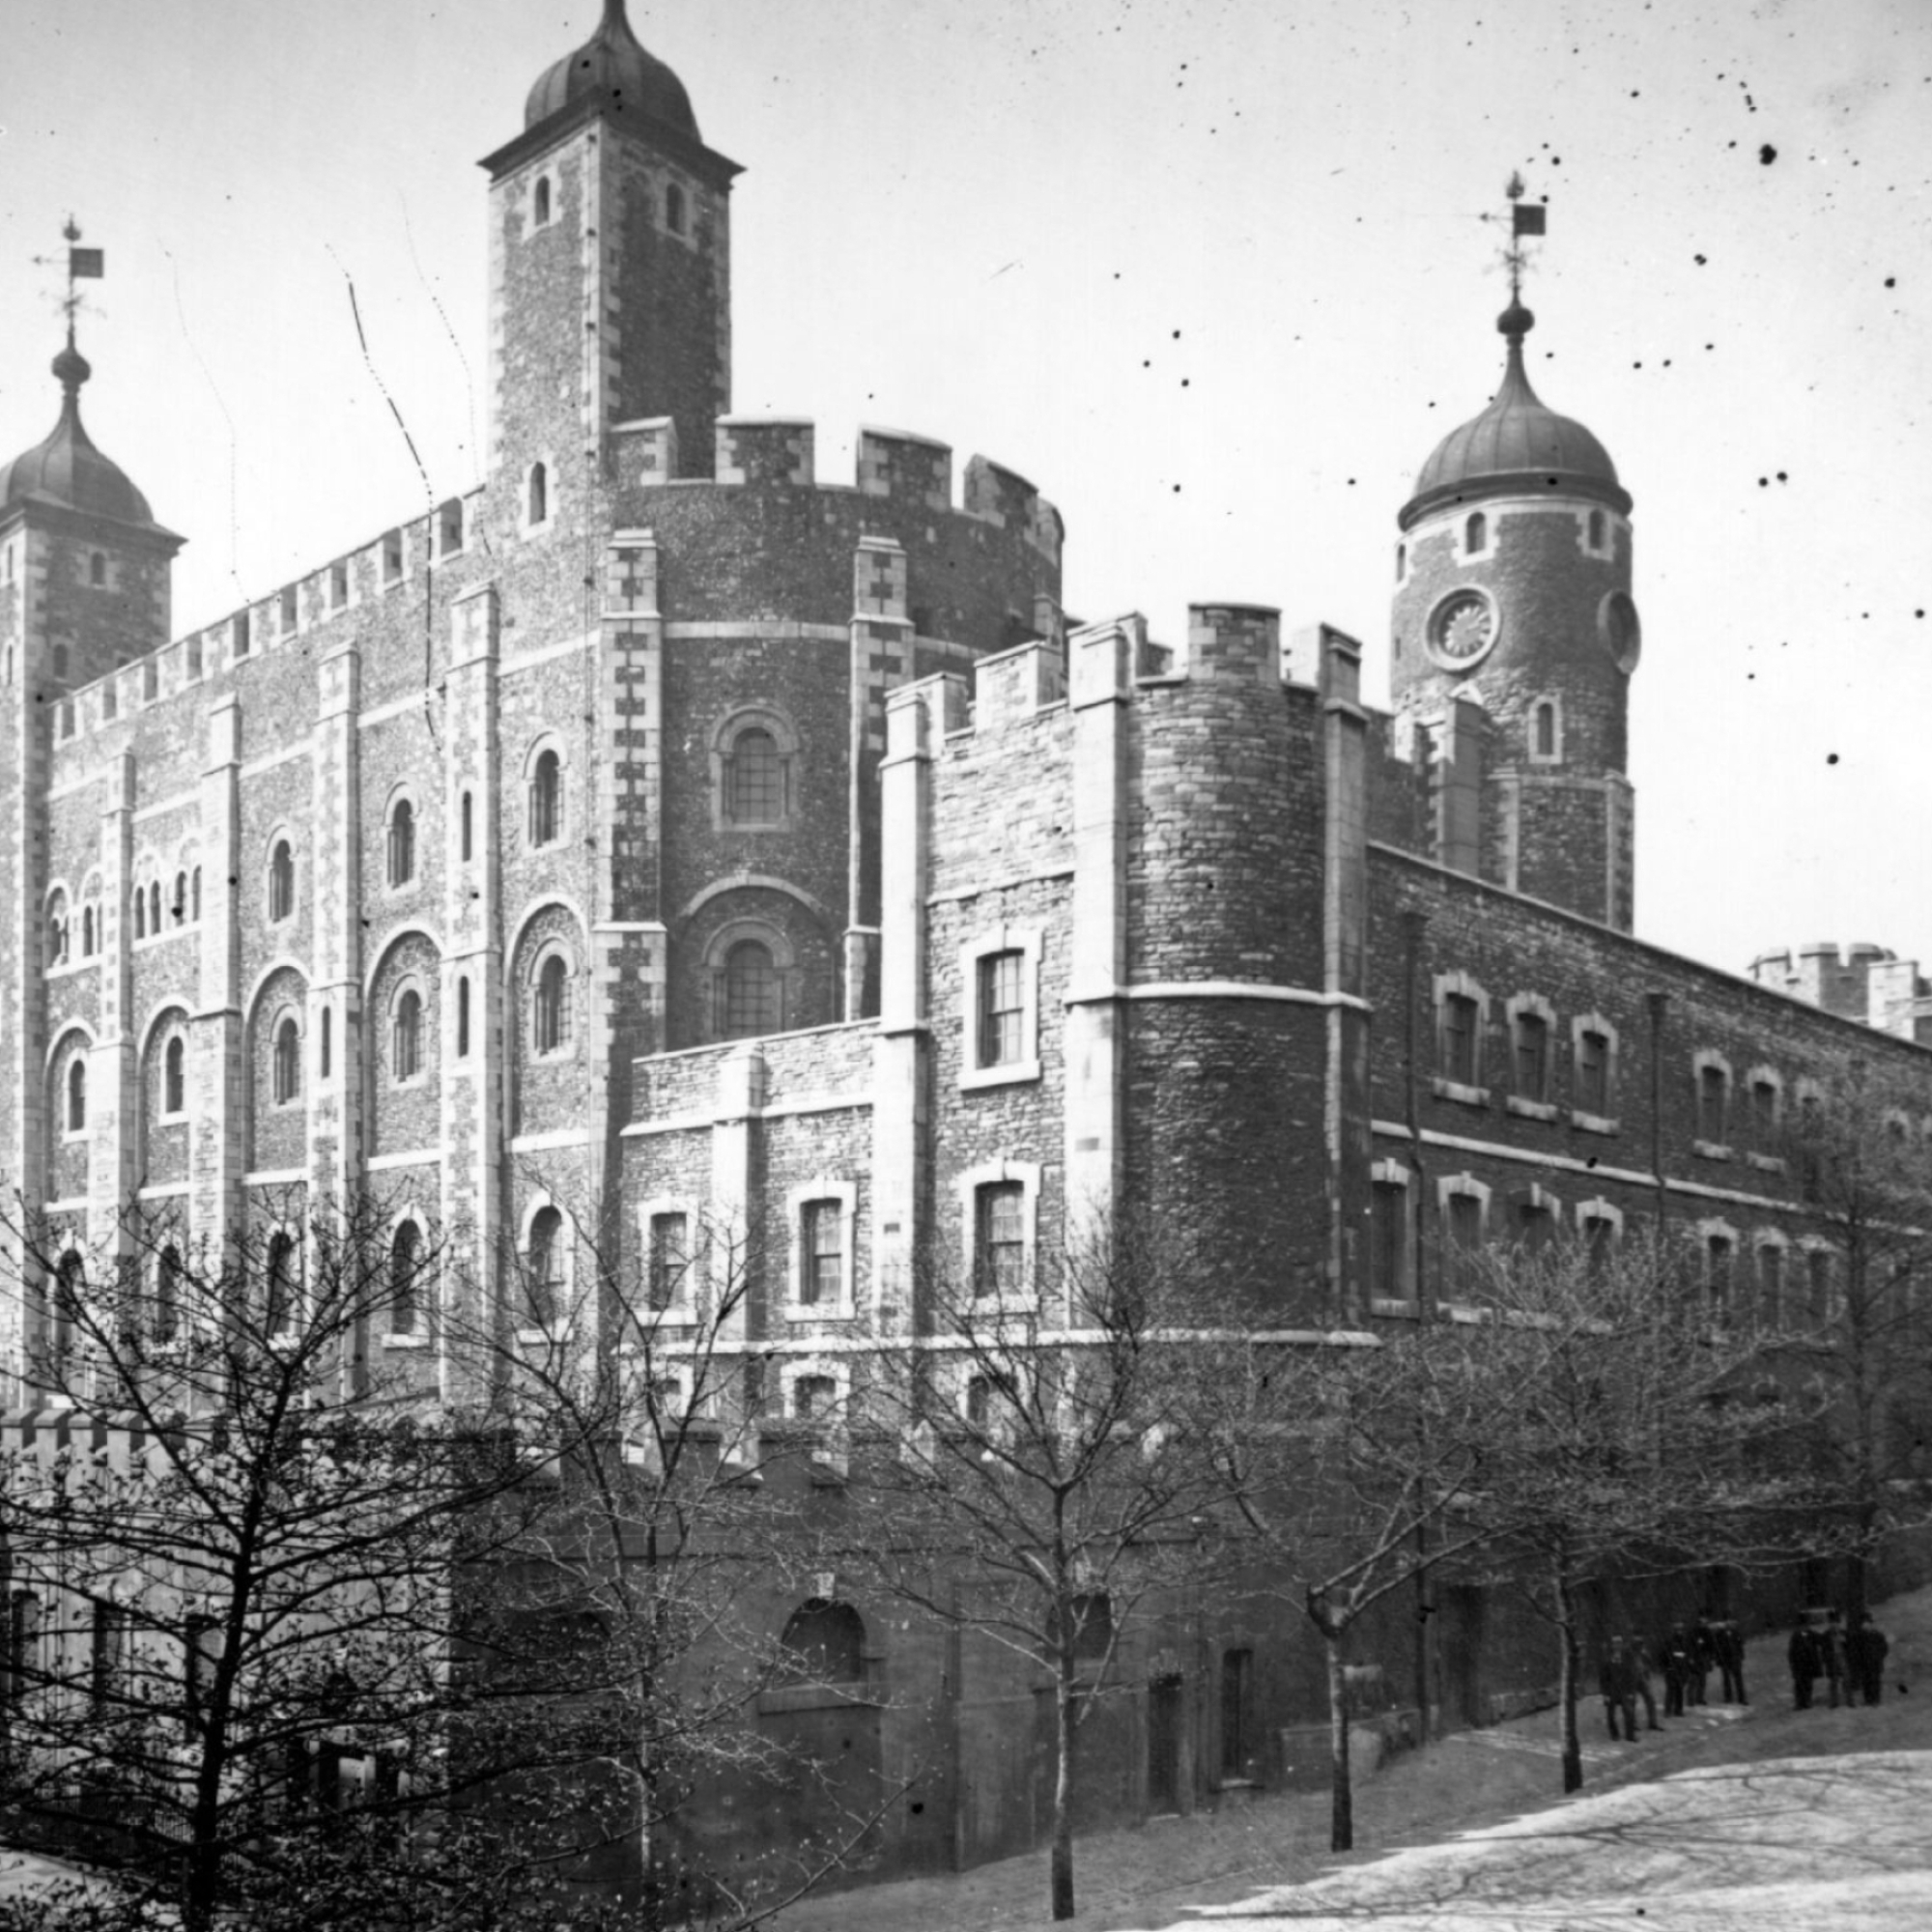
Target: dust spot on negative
(1830, 757)
(1766, 155)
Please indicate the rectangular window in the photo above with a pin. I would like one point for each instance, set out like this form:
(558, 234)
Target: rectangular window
(822, 1276)
(238, 635)
(1002, 1009)
(1712, 1094)
(670, 1234)
(1593, 1072)
(23, 1644)
(1764, 1112)
(1465, 1240)
(813, 1398)
(999, 1248)
(392, 557)
(1720, 1258)
(1532, 1056)
(1389, 1237)
(449, 527)
(1771, 1287)
(1536, 1226)
(1600, 1234)
(288, 614)
(1459, 1059)
(109, 1643)
(1237, 1670)
(1818, 1284)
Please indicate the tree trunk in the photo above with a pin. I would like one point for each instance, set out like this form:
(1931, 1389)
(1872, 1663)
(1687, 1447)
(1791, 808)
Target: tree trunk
(1566, 1626)
(1341, 1813)
(1063, 1786)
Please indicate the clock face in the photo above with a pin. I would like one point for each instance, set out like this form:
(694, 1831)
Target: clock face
(1622, 634)
(1462, 627)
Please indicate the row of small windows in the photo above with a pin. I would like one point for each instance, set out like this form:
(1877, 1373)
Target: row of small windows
(1476, 538)
(1517, 1045)
(150, 915)
(676, 206)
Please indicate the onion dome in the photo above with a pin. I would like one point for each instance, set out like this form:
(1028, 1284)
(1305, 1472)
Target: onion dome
(65, 470)
(1518, 446)
(611, 66)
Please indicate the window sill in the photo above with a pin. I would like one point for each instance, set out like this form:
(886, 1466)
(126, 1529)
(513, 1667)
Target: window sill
(177, 1118)
(1394, 1307)
(406, 1341)
(1710, 1151)
(1530, 1110)
(72, 1136)
(1009, 1074)
(1593, 1124)
(1767, 1163)
(1455, 1090)
(66, 968)
(540, 1338)
(812, 1311)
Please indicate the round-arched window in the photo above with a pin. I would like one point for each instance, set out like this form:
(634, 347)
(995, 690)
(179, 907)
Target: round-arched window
(752, 991)
(824, 1642)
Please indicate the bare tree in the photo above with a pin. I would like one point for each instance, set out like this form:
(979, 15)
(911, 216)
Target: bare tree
(1855, 1315)
(1049, 1478)
(234, 1542)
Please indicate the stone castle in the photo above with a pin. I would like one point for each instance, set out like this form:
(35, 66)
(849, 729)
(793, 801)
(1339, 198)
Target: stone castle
(664, 828)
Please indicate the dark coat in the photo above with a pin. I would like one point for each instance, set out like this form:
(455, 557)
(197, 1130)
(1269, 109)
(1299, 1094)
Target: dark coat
(1803, 1652)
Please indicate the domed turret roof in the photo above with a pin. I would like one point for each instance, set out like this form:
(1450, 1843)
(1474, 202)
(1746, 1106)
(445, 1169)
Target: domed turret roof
(610, 64)
(65, 469)
(1518, 445)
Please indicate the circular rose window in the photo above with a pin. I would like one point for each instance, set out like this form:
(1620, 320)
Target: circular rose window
(1462, 627)
(1622, 634)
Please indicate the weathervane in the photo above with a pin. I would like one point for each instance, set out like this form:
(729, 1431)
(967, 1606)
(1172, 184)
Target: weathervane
(82, 265)
(1523, 219)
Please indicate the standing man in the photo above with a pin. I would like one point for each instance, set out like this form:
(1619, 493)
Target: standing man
(1832, 1656)
(1701, 1659)
(1866, 1649)
(1674, 1654)
(1615, 1680)
(1802, 1655)
(1729, 1644)
(1639, 1671)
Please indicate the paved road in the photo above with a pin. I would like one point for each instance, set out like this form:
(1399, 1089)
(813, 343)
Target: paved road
(1794, 1844)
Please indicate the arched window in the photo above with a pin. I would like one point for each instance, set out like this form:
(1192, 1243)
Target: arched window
(674, 209)
(194, 892)
(545, 799)
(751, 991)
(167, 1294)
(463, 1017)
(180, 897)
(76, 1094)
(1545, 739)
(406, 1035)
(544, 1272)
(468, 840)
(70, 1287)
(1595, 529)
(550, 1016)
(155, 925)
(174, 1077)
(282, 880)
(402, 842)
(140, 912)
(405, 1263)
(57, 934)
(540, 202)
(1476, 534)
(755, 778)
(97, 568)
(279, 1310)
(536, 509)
(327, 1015)
(288, 1060)
(87, 932)
(824, 1642)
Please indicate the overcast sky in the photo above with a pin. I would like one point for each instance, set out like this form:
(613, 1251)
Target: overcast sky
(1212, 275)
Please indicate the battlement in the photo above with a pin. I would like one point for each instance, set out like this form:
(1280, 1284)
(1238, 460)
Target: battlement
(894, 466)
(1864, 982)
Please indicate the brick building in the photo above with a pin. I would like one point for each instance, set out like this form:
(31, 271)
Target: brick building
(661, 836)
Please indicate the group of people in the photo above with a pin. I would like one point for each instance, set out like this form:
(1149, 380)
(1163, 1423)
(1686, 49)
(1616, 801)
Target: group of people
(1851, 1661)
(1685, 1660)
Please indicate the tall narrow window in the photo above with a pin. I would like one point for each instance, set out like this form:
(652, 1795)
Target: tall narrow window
(1818, 1285)
(1535, 1226)
(154, 908)
(751, 991)
(239, 632)
(109, 1638)
(1711, 1094)
(1388, 1228)
(405, 1263)
(279, 1302)
(23, 1644)
(670, 1236)
(194, 892)
(282, 880)
(755, 778)
(674, 209)
(1600, 1235)
(999, 1252)
(1764, 1112)
(1719, 1255)
(87, 932)
(1460, 1058)
(979, 1402)
(406, 1042)
(402, 842)
(1465, 1241)
(546, 799)
(181, 898)
(544, 1267)
(1002, 1009)
(167, 1294)
(540, 202)
(1595, 529)
(76, 1094)
(1545, 730)
(467, 821)
(537, 506)
(97, 568)
(822, 1271)
(1771, 1286)
(288, 616)
(463, 1017)
(449, 527)
(288, 1060)
(551, 1015)
(1237, 1679)
(1476, 534)
(1593, 1072)
(174, 1077)
(70, 1290)
(1532, 1056)
(327, 1041)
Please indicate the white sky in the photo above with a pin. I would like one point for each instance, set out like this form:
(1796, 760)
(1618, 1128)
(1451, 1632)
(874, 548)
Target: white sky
(1208, 273)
